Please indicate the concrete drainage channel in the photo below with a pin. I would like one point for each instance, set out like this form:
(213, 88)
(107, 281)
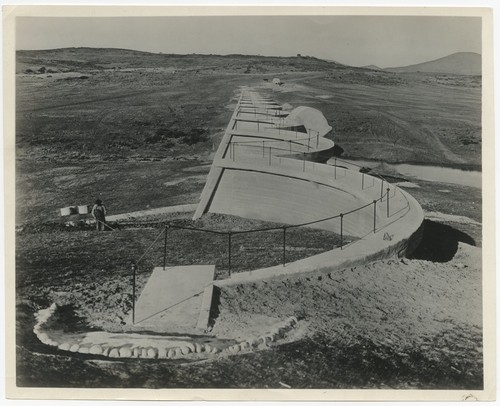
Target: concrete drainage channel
(123, 345)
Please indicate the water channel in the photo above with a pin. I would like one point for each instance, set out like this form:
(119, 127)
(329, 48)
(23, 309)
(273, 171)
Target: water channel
(423, 172)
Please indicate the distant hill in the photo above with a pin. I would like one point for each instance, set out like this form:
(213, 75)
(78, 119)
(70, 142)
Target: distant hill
(460, 63)
(372, 67)
(82, 59)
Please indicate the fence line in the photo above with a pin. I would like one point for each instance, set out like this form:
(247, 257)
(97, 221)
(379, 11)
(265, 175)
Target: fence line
(230, 233)
(231, 148)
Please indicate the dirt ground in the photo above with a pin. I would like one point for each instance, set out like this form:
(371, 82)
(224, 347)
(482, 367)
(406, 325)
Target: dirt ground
(139, 130)
(389, 324)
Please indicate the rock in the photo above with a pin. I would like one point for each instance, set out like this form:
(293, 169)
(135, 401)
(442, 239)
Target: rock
(95, 350)
(191, 347)
(171, 353)
(404, 261)
(214, 350)
(281, 332)
(199, 348)
(83, 350)
(243, 346)
(64, 346)
(74, 348)
(262, 346)
(234, 349)
(113, 353)
(162, 353)
(105, 351)
(250, 343)
(125, 352)
(152, 353)
(43, 337)
(185, 350)
(144, 353)
(136, 353)
(177, 353)
(293, 320)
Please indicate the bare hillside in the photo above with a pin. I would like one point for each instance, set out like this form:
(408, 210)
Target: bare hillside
(460, 63)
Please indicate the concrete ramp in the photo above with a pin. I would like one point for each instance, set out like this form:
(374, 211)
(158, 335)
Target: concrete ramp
(176, 299)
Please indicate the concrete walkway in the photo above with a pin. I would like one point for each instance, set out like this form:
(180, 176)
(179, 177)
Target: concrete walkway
(176, 299)
(183, 208)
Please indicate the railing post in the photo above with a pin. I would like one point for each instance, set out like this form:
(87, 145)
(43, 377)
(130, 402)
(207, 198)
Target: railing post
(388, 190)
(133, 292)
(317, 139)
(229, 253)
(234, 151)
(335, 169)
(341, 230)
(270, 156)
(304, 162)
(165, 248)
(258, 126)
(308, 142)
(382, 189)
(362, 181)
(284, 246)
(374, 215)
(290, 142)
(263, 150)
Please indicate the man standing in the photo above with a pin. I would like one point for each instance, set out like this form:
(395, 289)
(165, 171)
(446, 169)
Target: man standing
(99, 214)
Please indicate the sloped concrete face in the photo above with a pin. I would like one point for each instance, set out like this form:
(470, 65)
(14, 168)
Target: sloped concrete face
(175, 299)
(288, 200)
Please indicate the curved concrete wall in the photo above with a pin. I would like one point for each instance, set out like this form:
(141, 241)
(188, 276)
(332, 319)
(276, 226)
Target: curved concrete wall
(262, 170)
(284, 199)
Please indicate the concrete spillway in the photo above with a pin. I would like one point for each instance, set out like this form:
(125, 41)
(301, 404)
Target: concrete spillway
(264, 169)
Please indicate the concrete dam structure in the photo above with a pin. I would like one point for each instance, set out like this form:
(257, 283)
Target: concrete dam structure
(266, 168)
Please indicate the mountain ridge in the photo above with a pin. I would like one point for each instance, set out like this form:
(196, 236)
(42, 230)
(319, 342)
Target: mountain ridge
(459, 63)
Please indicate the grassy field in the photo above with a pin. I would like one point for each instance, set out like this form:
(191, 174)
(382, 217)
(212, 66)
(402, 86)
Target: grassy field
(112, 104)
(139, 131)
(396, 118)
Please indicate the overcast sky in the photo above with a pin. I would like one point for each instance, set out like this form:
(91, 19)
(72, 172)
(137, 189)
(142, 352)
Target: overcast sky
(352, 40)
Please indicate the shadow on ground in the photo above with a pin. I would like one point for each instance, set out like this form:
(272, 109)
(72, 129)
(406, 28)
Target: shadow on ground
(440, 242)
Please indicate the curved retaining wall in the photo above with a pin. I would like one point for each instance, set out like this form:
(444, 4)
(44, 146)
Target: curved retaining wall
(263, 171)
(289, 200)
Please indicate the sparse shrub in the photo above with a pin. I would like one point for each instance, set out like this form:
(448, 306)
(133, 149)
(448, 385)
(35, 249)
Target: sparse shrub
(195, 136)
(469, 141)
(42, 70)
(29, 71)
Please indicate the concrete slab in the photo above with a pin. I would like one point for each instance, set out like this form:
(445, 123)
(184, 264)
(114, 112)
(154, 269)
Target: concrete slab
(176, 299)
